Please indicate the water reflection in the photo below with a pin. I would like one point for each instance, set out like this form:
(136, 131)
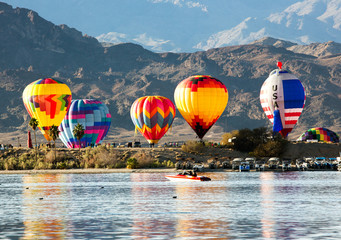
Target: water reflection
(234, 205)
(152, 207)
(267, 193)
(42, 206)
(199, 208)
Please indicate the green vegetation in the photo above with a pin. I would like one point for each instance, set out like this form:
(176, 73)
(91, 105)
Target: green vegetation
(259, 142)
(34, 124)
(132, 163)
(53, 133)
(193, 146)
(102, 157)
(78, 132)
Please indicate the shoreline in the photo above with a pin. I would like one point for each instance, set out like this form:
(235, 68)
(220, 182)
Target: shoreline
(141, 170)
(88, 171)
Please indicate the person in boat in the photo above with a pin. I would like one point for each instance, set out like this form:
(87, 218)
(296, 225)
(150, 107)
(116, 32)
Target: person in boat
(185, 173)
(194, 174)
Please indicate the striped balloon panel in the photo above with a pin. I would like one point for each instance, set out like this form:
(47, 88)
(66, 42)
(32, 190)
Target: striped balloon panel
(48, 101)
(152, 116)
(95, 118)
(201, 100)
(284, 92)
(320, 134)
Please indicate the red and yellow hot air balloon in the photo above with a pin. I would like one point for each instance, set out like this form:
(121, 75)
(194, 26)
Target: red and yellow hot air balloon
(152, 116)
(201, 99)
(48, 101)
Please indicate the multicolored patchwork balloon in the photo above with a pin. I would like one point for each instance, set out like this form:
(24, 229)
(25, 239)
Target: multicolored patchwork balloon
(320, 134)
(152, 116)
(282, 98)
(95, 118)
(48, 101)
(201, 100)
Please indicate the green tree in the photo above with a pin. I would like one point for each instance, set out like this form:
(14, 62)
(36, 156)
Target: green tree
(247, 140)
(53, 133)
(34, 124)
(227, 136)
(78, 132)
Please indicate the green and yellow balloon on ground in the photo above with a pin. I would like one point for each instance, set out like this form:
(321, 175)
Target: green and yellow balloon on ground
(48, 101)
(201, 99)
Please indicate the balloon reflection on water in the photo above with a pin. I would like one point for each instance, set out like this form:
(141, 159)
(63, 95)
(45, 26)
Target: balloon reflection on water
(267, 191)
(41, 211)
(179, 214)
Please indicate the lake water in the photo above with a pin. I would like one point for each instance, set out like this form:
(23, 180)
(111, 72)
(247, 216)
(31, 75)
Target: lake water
(255, 205)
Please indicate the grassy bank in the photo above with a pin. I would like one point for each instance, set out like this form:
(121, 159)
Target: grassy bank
(89, 158)
(104, 157)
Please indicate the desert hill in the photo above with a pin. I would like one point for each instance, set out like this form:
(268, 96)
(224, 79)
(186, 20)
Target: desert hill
(32, 48)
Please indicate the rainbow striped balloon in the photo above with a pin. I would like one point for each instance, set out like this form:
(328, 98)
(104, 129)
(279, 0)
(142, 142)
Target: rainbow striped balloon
(48, 101)
(152, 116)
(320, 134)
(95, 118)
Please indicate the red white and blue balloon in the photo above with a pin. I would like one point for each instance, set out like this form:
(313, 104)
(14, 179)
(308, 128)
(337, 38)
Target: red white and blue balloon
(282, 98)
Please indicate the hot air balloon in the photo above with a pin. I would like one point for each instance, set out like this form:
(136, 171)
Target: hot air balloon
(201, 100)
(282, 98)
(95, 118)
(152, 116)
(320, 135)
(48, 101)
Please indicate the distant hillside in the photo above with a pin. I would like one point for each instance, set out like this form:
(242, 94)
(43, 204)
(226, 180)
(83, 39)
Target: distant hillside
(33, 48)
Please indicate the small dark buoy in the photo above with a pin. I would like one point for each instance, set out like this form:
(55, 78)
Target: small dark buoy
(174, 196)
(41, 198)
(102, 187)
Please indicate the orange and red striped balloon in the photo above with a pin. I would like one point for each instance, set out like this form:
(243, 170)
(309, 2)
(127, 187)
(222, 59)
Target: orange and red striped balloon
(152, 116)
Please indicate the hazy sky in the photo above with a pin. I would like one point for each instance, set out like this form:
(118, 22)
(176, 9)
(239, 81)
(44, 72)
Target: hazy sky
(139, 16)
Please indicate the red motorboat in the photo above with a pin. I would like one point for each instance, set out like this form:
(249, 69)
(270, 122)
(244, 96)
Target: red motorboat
(187, 177)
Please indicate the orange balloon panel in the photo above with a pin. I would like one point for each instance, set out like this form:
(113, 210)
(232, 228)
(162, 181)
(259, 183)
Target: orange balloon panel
(201, 100)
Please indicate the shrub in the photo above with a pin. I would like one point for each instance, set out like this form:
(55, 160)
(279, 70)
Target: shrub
(193, 147)
(273, 148)
(132, 163)
(227, 136)
(101, 157)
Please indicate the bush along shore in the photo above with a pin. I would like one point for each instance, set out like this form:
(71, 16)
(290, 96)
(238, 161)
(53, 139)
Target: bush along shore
(210, 156)
(97, 157)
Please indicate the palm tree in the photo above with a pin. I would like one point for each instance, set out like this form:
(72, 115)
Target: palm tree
(54, 132)
(78, 132)
(34, 124)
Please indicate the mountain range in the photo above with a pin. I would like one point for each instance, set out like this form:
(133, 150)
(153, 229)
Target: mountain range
(32, 48)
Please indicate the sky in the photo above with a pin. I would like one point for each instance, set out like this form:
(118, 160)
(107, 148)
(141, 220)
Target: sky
(95, 17)
(179, 23)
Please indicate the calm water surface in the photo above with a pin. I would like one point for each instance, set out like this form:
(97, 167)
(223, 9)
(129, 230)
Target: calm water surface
(266, 205)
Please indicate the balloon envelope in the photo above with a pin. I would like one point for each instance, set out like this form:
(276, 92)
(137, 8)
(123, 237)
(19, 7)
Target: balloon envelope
(152, 116)
(320, 134)
(282, 98)
(48, 101)
(95, 118)
(201, 99)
